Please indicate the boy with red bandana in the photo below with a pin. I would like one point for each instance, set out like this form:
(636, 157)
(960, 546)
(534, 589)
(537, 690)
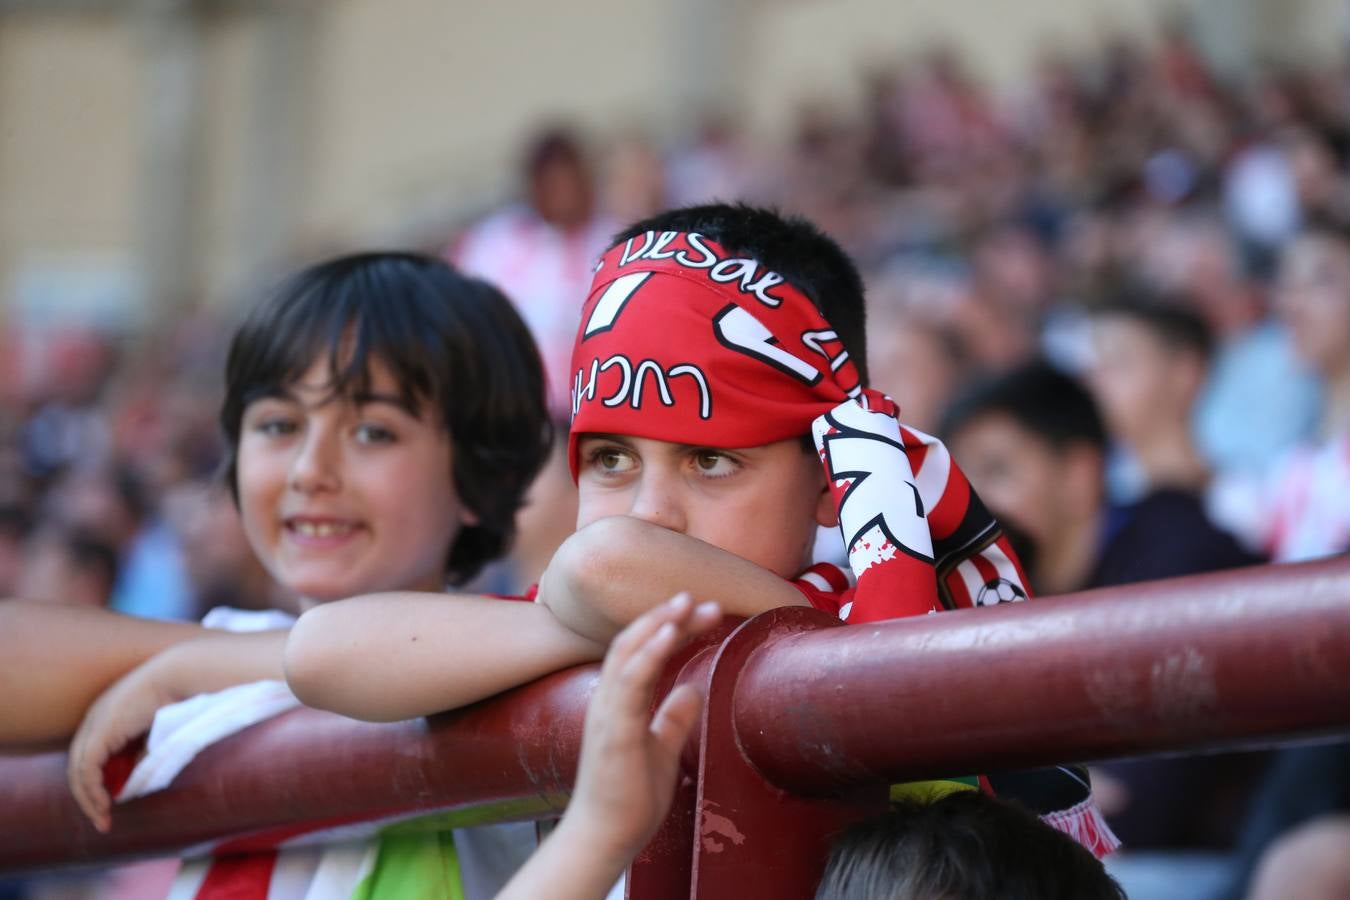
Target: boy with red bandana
(714, 340)
(688, 343)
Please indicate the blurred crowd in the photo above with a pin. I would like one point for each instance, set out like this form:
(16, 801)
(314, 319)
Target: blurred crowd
(1121, 292)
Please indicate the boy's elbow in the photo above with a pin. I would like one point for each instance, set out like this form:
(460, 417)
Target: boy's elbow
(592, 562)
(323, 669)
(308, 661)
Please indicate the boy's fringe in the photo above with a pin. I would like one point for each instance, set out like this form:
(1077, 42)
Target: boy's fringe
(1084, 823)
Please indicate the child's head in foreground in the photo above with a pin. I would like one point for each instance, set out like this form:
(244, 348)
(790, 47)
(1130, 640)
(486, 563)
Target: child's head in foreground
(384, 417)
(965, 846)
(711, 339)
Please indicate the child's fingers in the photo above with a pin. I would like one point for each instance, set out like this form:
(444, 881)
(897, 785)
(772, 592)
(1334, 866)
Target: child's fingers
(645, 662)
(643, 627)
(636, 679)
(85, 776)
(675, 719)
(704, 617)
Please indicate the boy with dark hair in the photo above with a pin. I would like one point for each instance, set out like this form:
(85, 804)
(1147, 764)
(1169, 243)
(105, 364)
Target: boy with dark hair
(1033, 441)
(1035, 446)
(765, 316)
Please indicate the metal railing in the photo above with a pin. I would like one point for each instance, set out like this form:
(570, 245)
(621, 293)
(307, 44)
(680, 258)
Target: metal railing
(806, 723)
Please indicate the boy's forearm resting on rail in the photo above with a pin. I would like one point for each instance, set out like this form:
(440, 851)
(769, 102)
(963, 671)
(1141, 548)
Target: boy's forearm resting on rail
(201, 665)
(79, 650)
(385, 657)
(613, 570)
(220, 659)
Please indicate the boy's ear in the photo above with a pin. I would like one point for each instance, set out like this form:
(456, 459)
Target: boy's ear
(468, 517)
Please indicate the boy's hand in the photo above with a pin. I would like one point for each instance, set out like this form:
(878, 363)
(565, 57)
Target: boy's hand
(123, 713)
(629, 759)
(881, 514)
(211, 662)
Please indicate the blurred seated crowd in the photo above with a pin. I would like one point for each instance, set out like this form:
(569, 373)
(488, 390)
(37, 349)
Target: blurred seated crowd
(1120, 291)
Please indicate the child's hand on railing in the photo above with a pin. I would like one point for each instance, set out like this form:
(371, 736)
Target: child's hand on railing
(121, 714)
(630, 760)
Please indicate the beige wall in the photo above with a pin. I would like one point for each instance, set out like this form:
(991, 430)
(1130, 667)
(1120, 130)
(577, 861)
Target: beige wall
(67, 144)
(418, 102)
(402, 114)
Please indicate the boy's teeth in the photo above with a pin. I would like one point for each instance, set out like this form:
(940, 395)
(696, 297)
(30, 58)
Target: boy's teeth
(321, 529)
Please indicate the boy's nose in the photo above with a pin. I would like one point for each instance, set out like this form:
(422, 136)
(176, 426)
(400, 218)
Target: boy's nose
(658, 502)
(315, 467)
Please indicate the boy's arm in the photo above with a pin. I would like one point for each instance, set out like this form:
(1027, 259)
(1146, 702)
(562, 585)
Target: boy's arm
(56, 658)
(615, 569)
(385, 657)
(201, 665)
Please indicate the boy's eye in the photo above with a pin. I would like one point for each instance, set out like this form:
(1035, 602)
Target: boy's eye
(373, 434)
(714, 463)
(612, 460)
(275, 426)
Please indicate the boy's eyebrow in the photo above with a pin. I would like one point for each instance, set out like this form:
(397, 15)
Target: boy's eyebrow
(623, 439)
(284, 392)
(273, 392)
(605, 436)
(367, 397)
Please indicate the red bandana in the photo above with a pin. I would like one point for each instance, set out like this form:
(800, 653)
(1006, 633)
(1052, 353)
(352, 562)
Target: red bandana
(682, 341)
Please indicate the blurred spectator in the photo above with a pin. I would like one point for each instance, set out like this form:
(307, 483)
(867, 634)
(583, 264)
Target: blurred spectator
(919, 363)
(541, 251)
(112, 504)
(1150, 360)
(1255, 373)
(1310, 518)
(1300, 509)
(68, 566)
(1034, 446)
(68, 428)
(1312, 488)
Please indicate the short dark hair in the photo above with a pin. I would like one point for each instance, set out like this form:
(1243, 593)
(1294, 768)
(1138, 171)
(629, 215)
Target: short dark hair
(1167, 318)
(453, 344)
(965, 846)
(1040, 398)
(804, 255)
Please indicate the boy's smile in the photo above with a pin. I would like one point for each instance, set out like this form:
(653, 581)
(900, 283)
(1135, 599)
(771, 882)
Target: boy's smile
(346, 495)
(760, 503)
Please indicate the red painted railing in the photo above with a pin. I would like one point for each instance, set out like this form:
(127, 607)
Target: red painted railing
(806, 723)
